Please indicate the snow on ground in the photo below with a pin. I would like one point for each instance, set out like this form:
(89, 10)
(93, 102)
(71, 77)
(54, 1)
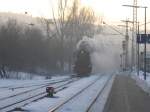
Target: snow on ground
(99, 105)
(144, 84)
(4, 83)
(28, 97)
(24, 75)
(9, 87)
(45, 104)
(81, 102)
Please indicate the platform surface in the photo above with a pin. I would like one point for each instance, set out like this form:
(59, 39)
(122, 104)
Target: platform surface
(126, 96)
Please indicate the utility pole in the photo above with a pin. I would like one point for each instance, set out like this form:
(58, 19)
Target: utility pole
(134, 44)
(135, 6)
(126, 43)
(138, 49)
(134, 32)
(145, 48)
(121, 59)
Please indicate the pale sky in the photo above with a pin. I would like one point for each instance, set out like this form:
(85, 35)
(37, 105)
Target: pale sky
(111, 10)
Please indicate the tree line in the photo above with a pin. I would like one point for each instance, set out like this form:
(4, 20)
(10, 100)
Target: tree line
(30, 48)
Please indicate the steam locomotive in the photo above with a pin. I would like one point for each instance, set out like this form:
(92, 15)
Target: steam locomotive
(82, 63)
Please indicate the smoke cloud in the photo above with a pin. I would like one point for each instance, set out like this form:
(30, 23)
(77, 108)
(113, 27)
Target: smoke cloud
(105, 52)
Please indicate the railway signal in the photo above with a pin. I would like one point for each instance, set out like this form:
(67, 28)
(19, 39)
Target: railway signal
(50, 91)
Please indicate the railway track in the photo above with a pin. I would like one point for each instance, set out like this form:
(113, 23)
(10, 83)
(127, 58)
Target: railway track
(21, 99)
(61, 106)
(33, 89)
(98, 95)
(32, 84)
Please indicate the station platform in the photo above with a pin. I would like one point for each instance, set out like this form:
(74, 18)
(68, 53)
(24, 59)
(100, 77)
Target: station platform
(126, 96)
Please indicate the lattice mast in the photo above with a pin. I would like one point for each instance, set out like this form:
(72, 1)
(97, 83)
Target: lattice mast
(134, 33)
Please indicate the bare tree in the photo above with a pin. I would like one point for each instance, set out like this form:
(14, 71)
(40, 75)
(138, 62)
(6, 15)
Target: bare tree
(9, 34)
(86, 21)
(71, 24)
(60, 24)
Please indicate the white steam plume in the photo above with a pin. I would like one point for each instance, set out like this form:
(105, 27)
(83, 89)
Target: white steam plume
(105, 52)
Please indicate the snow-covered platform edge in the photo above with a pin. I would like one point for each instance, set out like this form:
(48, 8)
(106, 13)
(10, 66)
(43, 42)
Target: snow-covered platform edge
(144, 85)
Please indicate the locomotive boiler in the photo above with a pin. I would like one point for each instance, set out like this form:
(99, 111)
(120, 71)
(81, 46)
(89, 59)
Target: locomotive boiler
(82, 63)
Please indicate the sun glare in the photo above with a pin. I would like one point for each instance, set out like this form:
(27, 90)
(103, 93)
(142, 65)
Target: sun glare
(109, 9)
(33, 7)
(106, 8)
